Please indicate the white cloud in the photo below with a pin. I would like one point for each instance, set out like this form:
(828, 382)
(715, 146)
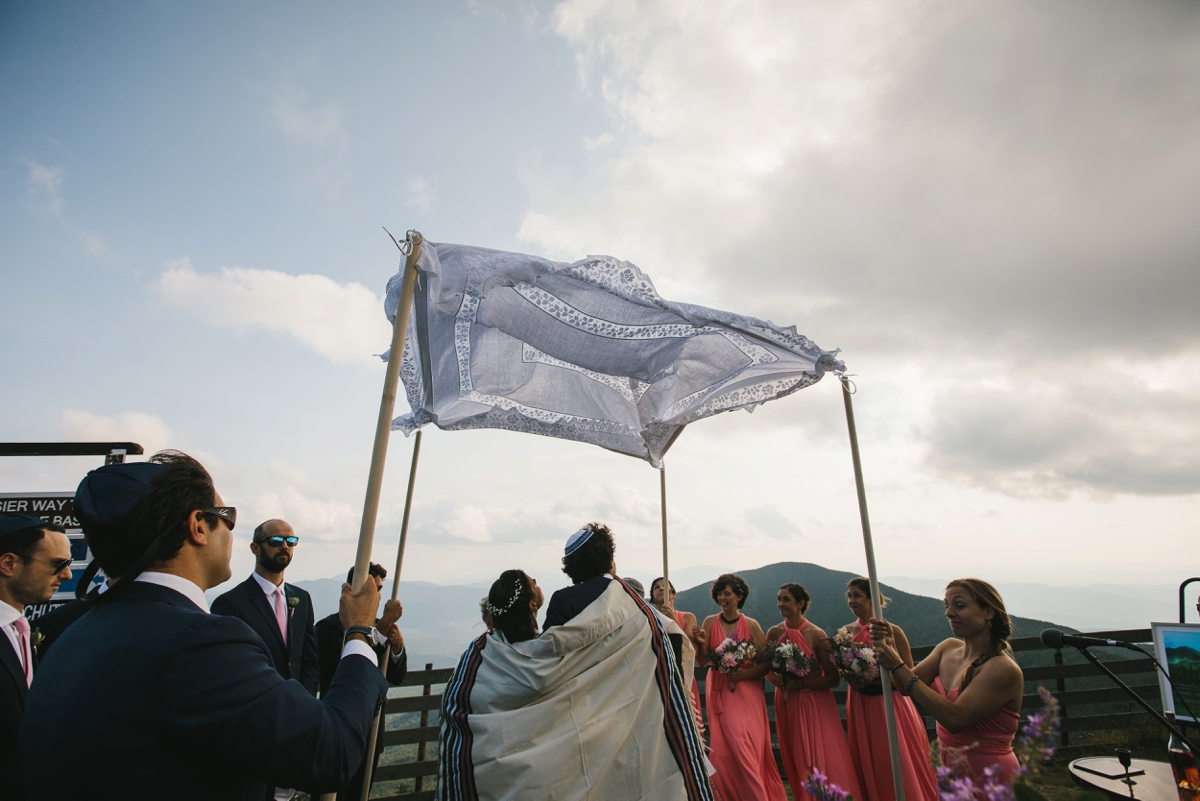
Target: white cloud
(421, 194)
(148, 430)
(45, 185)
(597, 142)
(317, 131)
(467, 523)
(342, 322)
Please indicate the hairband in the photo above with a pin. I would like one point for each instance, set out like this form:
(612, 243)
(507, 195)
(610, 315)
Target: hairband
(495, 610)
(576, 540)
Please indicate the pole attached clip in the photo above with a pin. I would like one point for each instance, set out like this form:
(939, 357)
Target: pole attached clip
(847, 383)
(411, 237)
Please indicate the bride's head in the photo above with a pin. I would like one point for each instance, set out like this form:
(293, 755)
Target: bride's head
(513, 603)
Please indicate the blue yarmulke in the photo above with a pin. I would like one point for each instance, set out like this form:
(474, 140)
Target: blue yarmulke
(107, 494)
(11, 524)
(576, 540)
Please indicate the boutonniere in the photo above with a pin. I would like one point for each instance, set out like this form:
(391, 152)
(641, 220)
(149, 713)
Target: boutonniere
(292, 602)
(36, 638)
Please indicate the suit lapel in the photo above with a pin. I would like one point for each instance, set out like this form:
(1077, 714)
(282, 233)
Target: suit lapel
(12, 665)
(258, 600)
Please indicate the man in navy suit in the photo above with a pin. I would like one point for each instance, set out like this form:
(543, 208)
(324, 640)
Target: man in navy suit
(148, 696)
(280, 613)
(35, 558)
(588, 560)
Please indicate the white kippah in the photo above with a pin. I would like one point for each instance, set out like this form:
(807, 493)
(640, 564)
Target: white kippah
(576, 540)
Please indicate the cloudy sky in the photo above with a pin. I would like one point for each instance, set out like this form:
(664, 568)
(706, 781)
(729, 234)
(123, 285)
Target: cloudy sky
(990, 208)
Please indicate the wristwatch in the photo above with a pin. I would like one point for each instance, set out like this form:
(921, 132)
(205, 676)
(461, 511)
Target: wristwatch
(365, 631)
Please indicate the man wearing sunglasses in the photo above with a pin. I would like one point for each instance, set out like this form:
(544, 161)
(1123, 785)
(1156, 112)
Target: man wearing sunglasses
(191, 705)
(35, 557)
(282, 614)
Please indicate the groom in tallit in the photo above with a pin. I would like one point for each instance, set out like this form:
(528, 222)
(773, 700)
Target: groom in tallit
(593, 708)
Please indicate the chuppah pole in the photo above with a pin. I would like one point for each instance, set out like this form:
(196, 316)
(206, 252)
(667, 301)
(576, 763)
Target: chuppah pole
(387, 654)
(666, 582)
(889, 711)
(383, 431)
(387, 406)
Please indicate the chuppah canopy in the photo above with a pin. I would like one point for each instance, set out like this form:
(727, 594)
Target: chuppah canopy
(587, 351)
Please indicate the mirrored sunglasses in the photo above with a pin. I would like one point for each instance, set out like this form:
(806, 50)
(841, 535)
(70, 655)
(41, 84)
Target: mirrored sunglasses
(277, 540)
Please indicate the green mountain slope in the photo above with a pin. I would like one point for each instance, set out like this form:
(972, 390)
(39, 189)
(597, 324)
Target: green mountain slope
(923, 619)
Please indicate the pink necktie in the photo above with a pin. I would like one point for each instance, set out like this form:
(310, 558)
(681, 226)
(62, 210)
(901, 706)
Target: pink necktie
(22, 627)
(281, 613)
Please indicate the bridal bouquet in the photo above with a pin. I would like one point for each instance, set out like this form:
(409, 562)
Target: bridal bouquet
(853, 660)
(790, 661)
(731, 655)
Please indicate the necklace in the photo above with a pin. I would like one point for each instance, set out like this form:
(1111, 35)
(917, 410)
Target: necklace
(729, 622)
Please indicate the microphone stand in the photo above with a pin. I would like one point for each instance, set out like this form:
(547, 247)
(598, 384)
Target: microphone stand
(1129, 691)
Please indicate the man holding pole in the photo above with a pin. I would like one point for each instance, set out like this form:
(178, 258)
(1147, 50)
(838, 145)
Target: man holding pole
(191, 704)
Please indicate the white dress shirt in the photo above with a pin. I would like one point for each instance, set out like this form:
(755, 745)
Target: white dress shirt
(8, 619)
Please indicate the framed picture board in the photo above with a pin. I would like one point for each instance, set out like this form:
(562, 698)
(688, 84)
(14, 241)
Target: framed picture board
(1177, 646)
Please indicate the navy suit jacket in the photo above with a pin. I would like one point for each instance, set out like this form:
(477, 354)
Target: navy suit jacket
(13, 692)
(298, 660)
(570, 601)
(148, 697)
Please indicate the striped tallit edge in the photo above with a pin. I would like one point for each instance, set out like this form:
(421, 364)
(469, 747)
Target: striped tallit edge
(679, 725)
(456, 771)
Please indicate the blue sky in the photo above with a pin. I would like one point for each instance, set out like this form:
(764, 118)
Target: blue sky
(991, 211)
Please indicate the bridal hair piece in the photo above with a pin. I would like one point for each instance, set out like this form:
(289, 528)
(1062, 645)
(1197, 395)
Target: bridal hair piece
(497, 610)
(576, 540)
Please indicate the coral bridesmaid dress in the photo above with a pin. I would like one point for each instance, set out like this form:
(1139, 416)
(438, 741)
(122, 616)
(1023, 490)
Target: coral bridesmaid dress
(867, 730)
(987, 743)
(810, 731)
(741, 735)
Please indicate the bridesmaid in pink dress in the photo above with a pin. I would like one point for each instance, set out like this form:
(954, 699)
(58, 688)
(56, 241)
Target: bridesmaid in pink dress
(866, 725)
(808, 723)
(687, 622)
(980, 709)
(740, 734)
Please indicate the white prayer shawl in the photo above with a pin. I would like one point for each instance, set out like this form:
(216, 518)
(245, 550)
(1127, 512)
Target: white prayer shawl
(585, 351)
(592, 709)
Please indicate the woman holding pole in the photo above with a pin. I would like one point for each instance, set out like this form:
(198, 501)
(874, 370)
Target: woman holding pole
(687, 622)
(865, 724)
(740, 733)
(969, 683)
(806, 716)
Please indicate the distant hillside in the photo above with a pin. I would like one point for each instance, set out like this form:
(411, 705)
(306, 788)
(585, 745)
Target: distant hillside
(923, 619)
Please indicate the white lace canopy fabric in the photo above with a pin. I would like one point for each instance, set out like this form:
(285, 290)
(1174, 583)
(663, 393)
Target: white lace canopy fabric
(585, 351)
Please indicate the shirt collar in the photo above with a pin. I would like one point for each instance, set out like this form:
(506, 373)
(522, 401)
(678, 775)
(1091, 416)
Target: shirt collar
(181, 585)
(267, 586)
(9, 614)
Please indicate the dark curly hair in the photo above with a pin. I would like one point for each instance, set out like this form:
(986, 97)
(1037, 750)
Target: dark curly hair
(511, 594)
(594, 557)
(799, 595)
(1000, 625)
(735, 583)
(184, 488)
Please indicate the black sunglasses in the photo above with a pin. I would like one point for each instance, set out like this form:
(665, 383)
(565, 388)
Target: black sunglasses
(278, 540)
(226, 513)
(59, 565)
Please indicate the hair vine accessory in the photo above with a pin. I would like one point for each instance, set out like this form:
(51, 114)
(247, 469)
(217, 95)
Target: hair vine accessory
(576, 540)
(496, 610)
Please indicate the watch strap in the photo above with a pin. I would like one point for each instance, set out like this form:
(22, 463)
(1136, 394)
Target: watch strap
(365, 631)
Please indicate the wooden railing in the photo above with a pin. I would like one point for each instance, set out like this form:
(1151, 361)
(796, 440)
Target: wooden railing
(1088, 701)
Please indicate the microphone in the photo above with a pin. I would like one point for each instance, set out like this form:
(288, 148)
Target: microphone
(1053, 638)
